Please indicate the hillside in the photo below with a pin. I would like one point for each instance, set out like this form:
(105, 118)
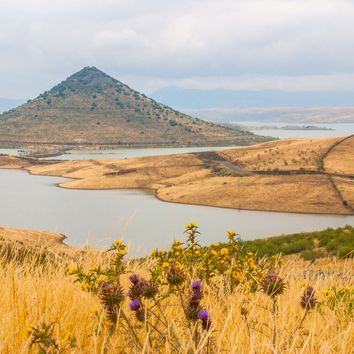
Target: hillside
(91, 107)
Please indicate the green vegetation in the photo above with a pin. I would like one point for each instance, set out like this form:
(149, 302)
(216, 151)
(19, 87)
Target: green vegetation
(311, 245)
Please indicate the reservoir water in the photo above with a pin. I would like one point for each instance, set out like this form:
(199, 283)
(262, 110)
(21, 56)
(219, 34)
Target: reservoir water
(336, 129)
(99, 217)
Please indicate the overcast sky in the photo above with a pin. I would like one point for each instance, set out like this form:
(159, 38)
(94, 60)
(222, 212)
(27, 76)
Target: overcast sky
(149, 44)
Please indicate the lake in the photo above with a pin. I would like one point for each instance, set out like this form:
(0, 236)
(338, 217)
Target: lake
(339, 129)
(121, 153)
(99, 217)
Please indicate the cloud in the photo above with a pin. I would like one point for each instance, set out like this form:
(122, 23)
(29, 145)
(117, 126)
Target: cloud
(194, 42)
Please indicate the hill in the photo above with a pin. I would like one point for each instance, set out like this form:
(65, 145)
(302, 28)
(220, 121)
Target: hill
(91, 107)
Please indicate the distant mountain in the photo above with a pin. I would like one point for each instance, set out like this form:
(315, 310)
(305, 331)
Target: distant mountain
(200, 99)
(6, 104)
(91, 107)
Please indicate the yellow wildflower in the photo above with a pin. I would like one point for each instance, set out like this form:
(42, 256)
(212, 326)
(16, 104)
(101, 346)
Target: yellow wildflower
(224, 251)
(117, 242)
(237, 276)
(71, 270)
(231, 233)
(85, 286)
(213, 252)
(122, 253)
(165, 265)
(303, 283)
(194, 224)
(102, 279)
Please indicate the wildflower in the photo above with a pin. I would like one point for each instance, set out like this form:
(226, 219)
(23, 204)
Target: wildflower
(102, 279)
(111, 294)
(224, 251)
(308, 299)
(237, 276)
(244, 311)
(175, 276)
(303, 283)
(71, 270)
(196, 285)
(135, 304)
(194, 301)
(134, 278)
(117, 242)
(272, 284)
(213, 252)
(204, 316)
(85, 286)
(231, 233)
(326, 292)
(141, 287)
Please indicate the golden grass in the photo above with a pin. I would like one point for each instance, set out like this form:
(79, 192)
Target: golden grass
(33, 294)
(287, 154)
(341, 158)
(346, 188)
(34, 238)
(260, 193)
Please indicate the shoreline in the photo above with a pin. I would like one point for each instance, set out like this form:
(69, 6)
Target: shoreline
(154, 193)
(201, 179)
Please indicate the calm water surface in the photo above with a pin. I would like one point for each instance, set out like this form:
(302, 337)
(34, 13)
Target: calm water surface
(120, 153)
(98, 217)
(338, 130)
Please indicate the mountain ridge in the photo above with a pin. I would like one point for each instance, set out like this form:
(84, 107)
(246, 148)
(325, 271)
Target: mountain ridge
(91, 107)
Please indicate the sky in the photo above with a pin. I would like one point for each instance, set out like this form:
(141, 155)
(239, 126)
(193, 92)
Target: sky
(292, 45)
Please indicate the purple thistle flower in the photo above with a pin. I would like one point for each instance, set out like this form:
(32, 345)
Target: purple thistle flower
(135, 305)
(134, 278)
(308, 299)
(204, 315)
(196, 286)
(272, 284)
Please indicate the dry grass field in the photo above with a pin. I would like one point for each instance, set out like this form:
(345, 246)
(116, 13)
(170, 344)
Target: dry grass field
(293, 175)
(241, 320)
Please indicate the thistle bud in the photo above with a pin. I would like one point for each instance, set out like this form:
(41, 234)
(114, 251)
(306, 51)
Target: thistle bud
(308, 300)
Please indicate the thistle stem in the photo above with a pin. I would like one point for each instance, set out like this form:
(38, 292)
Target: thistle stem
(275, 315)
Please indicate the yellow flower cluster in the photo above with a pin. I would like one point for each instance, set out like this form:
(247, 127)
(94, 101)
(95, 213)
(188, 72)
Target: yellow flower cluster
(219, 259)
